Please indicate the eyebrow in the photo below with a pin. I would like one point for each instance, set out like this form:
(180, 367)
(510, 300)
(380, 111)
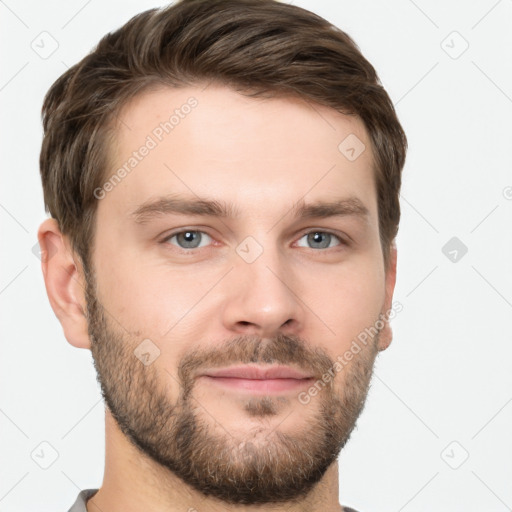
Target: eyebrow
(350, 206)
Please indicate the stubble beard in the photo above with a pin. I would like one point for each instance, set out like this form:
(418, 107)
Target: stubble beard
(258, 466)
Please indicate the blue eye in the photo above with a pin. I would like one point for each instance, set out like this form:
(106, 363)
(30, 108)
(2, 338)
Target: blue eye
(189, 239)
(195, 239)
(321, 239)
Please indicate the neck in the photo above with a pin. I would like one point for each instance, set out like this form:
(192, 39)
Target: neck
(133, 481)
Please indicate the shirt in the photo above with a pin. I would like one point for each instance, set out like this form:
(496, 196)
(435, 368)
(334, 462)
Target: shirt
(83, 496)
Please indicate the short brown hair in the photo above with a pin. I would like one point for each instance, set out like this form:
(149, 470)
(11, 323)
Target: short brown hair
(257, 47)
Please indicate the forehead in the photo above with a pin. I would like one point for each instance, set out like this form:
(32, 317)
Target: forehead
(215, 142)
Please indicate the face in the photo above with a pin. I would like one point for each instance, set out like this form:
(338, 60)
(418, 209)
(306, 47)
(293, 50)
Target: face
(211, 254)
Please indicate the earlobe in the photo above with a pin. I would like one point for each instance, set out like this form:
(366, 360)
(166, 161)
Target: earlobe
(64, 282)
(386, 334)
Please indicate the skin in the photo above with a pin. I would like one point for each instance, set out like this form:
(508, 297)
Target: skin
(263, 155)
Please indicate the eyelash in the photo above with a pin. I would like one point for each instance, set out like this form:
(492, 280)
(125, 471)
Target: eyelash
(193, 250)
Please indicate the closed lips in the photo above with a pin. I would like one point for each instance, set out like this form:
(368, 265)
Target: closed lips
(258, 372)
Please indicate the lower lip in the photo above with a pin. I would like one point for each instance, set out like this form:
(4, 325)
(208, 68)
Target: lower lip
(260, 385)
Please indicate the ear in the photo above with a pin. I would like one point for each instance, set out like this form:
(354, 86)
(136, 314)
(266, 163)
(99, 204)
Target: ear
(65, 283)
(386, 334)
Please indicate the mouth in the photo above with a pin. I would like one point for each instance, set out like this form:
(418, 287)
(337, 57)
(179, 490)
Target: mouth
(258, 379)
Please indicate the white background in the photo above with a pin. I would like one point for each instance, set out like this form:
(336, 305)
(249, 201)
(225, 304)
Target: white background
(446, 376)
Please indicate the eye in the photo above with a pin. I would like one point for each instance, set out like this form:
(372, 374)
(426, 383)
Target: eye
(196, 239)
(188, 239)
(322, 239)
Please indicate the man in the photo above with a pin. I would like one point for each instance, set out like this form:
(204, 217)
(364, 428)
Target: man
(223, 178)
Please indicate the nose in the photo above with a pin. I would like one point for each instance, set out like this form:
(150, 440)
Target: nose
(263, 297)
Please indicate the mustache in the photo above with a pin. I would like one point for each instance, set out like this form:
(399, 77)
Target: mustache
(280, 349)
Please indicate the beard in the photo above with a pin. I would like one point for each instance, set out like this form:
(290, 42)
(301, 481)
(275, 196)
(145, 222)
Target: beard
(260, 465)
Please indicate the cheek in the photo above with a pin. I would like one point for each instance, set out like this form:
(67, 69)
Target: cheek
(163, 304)
(131, 296)
(349, 301)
